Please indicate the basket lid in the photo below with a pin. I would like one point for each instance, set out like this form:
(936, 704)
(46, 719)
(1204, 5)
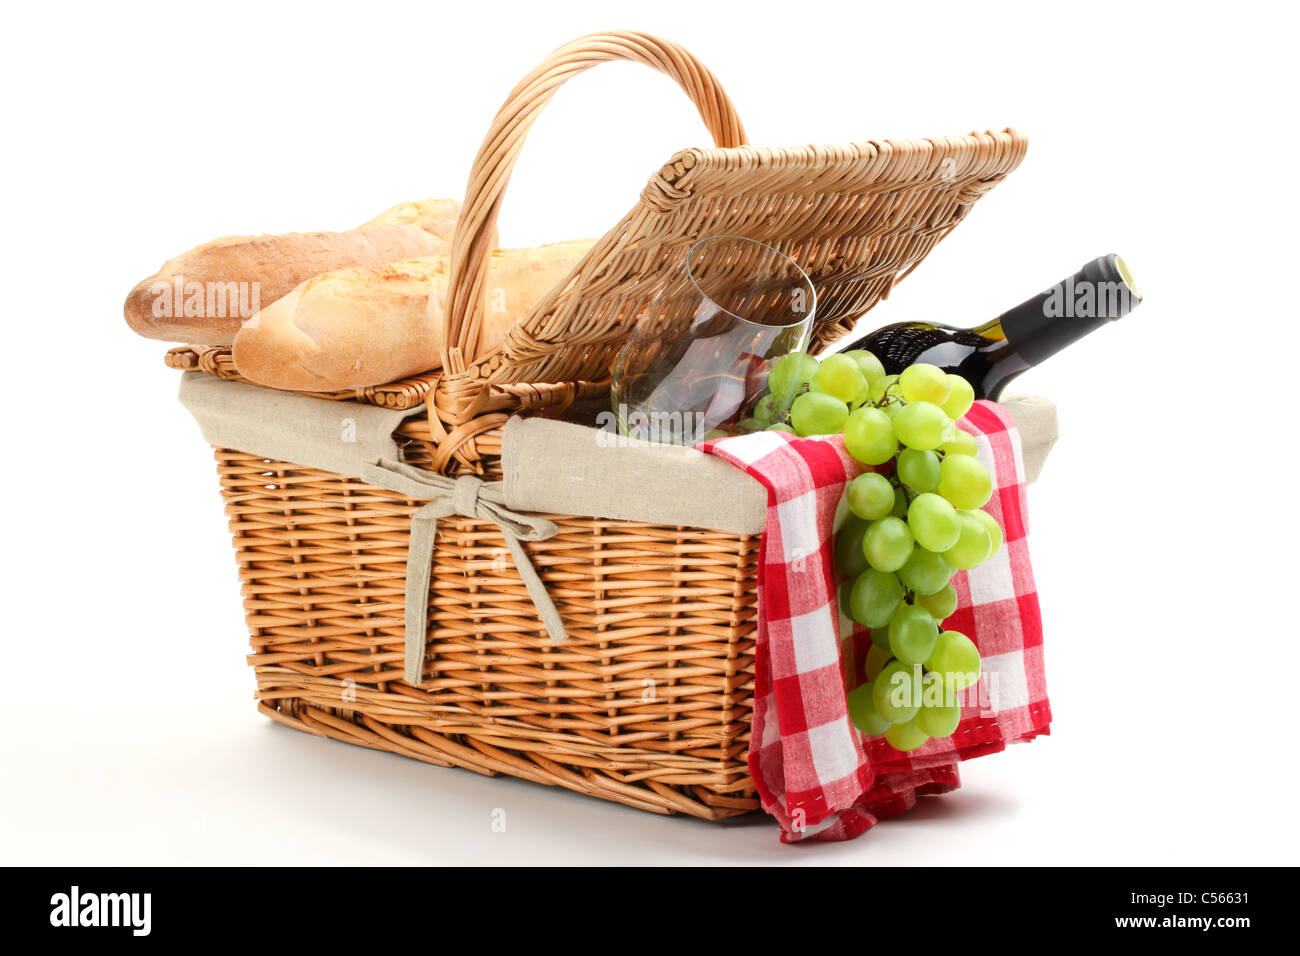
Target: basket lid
(857, 218)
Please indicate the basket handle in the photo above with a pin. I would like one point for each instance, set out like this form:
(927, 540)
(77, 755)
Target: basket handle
(475, 236)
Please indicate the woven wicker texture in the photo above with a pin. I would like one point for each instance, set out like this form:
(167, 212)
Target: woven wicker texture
(408, 392)
(647, 703)
(855, 217)
(217, 360)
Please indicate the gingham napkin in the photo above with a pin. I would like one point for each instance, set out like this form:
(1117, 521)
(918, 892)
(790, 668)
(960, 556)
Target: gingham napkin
(814, 772)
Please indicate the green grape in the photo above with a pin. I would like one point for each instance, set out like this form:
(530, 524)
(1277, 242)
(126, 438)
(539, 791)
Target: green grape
(960, 397)
(900, 503)
(965, 482)
(934, 522)
(938, 721)
(887, 544)
(849, 557)
(862, 711)
(880, 637)
(925, 572)
(880, 386)
(714, 433)
(868, 364)
(923, 383)
(934, 692)
(919, 470)
(840, 376)
(920, 425)
(877, 658)
(906, 736)
(845, 593)
(763, 410)
(973, 546)
(912, 633)
(870, 496)
(781, 427)
(750, 425)
(991, 526)
(816, 413)
(874, 598)
(962, 443)
(955, 659)
(789, 374)
(941, 603)
(897, 692)
(869, 436)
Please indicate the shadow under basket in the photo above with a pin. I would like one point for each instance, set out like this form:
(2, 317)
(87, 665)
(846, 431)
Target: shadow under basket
(647, 703)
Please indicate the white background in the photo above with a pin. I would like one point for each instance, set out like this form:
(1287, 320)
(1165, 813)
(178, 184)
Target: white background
(1164, 525)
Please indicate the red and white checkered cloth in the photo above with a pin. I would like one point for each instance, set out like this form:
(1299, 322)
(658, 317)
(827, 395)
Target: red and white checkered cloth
(814, 772)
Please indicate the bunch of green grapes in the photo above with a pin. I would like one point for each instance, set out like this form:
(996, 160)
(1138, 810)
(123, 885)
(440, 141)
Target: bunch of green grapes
(916, 520)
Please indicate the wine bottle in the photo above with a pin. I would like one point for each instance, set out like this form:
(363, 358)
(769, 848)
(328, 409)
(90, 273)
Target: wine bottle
(990, 355)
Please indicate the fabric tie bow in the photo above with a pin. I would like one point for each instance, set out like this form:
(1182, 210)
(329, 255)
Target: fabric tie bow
(469, 497)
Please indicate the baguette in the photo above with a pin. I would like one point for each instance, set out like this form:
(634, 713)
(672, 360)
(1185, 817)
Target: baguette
(358, 327)
(202, 296)
(435, 216)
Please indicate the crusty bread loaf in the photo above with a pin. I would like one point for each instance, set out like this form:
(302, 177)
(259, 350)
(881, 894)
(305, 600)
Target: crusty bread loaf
(435, 216)
(358, 327)
(202, 296)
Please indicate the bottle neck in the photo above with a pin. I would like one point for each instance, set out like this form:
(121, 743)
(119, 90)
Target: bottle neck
(1101, 292)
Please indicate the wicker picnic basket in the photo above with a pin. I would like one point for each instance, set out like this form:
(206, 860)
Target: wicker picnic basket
(322, 556)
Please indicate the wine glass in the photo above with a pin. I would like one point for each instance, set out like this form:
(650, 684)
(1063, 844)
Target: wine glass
(698, 358)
